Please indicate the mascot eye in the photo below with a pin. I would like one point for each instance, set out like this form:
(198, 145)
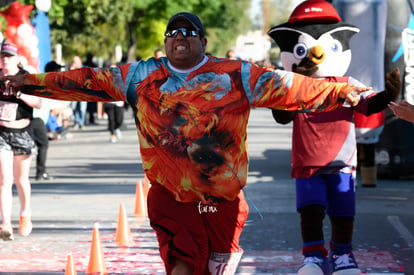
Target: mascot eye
(300, 51)
(336, 46)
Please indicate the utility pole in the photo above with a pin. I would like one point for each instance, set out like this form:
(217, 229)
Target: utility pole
(265, 14)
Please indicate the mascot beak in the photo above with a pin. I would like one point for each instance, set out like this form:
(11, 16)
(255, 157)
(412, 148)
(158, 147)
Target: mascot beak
(317, 54)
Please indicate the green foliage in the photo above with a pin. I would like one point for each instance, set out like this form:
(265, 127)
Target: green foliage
(97, 26)
(280, 11)
(223, 30)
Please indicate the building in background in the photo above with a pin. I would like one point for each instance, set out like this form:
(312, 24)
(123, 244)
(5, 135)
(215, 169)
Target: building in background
(254, 45)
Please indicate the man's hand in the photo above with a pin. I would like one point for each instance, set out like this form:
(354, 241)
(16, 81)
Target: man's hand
(13, 83)
(352, 99)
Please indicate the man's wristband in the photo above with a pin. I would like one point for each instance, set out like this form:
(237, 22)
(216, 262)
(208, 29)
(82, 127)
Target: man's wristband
(18, 94)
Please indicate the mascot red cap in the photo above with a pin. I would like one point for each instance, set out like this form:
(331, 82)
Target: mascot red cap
(314, 11)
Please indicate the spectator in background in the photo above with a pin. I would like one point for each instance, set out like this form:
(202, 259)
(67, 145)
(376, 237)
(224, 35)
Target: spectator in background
(92, 107)
(231, 55)
(115, 112)
(39, 130)
(159, 53)
(78, 108)
(56, 128)
(76, 63)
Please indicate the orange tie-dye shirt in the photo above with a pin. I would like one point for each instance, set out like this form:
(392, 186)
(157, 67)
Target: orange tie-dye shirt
(192, 125)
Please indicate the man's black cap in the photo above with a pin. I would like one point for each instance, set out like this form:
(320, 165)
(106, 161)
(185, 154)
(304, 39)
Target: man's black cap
(52, 66)
(190, 17)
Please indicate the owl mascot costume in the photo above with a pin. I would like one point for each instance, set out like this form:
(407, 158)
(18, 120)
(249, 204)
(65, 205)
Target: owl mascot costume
(315, 42)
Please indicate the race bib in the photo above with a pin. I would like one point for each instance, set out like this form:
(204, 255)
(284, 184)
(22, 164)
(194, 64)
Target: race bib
(8, 110)
(224, 263)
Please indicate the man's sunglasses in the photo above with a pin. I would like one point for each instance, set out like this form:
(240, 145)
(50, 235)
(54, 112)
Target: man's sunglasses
(184, 31)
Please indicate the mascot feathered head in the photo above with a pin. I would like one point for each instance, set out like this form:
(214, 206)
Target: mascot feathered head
(314, 35)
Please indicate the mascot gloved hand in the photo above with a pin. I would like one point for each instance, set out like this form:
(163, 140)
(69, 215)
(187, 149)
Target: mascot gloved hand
(315, 42)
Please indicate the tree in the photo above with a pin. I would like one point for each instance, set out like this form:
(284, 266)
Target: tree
(97, 26)
(223, 23)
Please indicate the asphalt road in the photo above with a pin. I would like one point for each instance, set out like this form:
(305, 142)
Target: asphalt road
(94, 177)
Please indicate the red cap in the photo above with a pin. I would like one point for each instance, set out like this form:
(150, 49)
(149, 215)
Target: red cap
(314, 11)
(8, 48)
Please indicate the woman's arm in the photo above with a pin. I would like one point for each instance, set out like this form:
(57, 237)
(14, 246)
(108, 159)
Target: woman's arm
(32, 101)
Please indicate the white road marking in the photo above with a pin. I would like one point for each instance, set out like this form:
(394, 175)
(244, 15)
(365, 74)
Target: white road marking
(402, 230)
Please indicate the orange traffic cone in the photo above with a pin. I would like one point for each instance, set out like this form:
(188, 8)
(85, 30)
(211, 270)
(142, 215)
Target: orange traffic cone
(70, 266)
(123, 232)
(96, 258)
(146, 186)
(140, 209)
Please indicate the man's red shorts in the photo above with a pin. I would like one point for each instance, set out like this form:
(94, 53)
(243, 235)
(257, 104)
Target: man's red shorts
(192, 231)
